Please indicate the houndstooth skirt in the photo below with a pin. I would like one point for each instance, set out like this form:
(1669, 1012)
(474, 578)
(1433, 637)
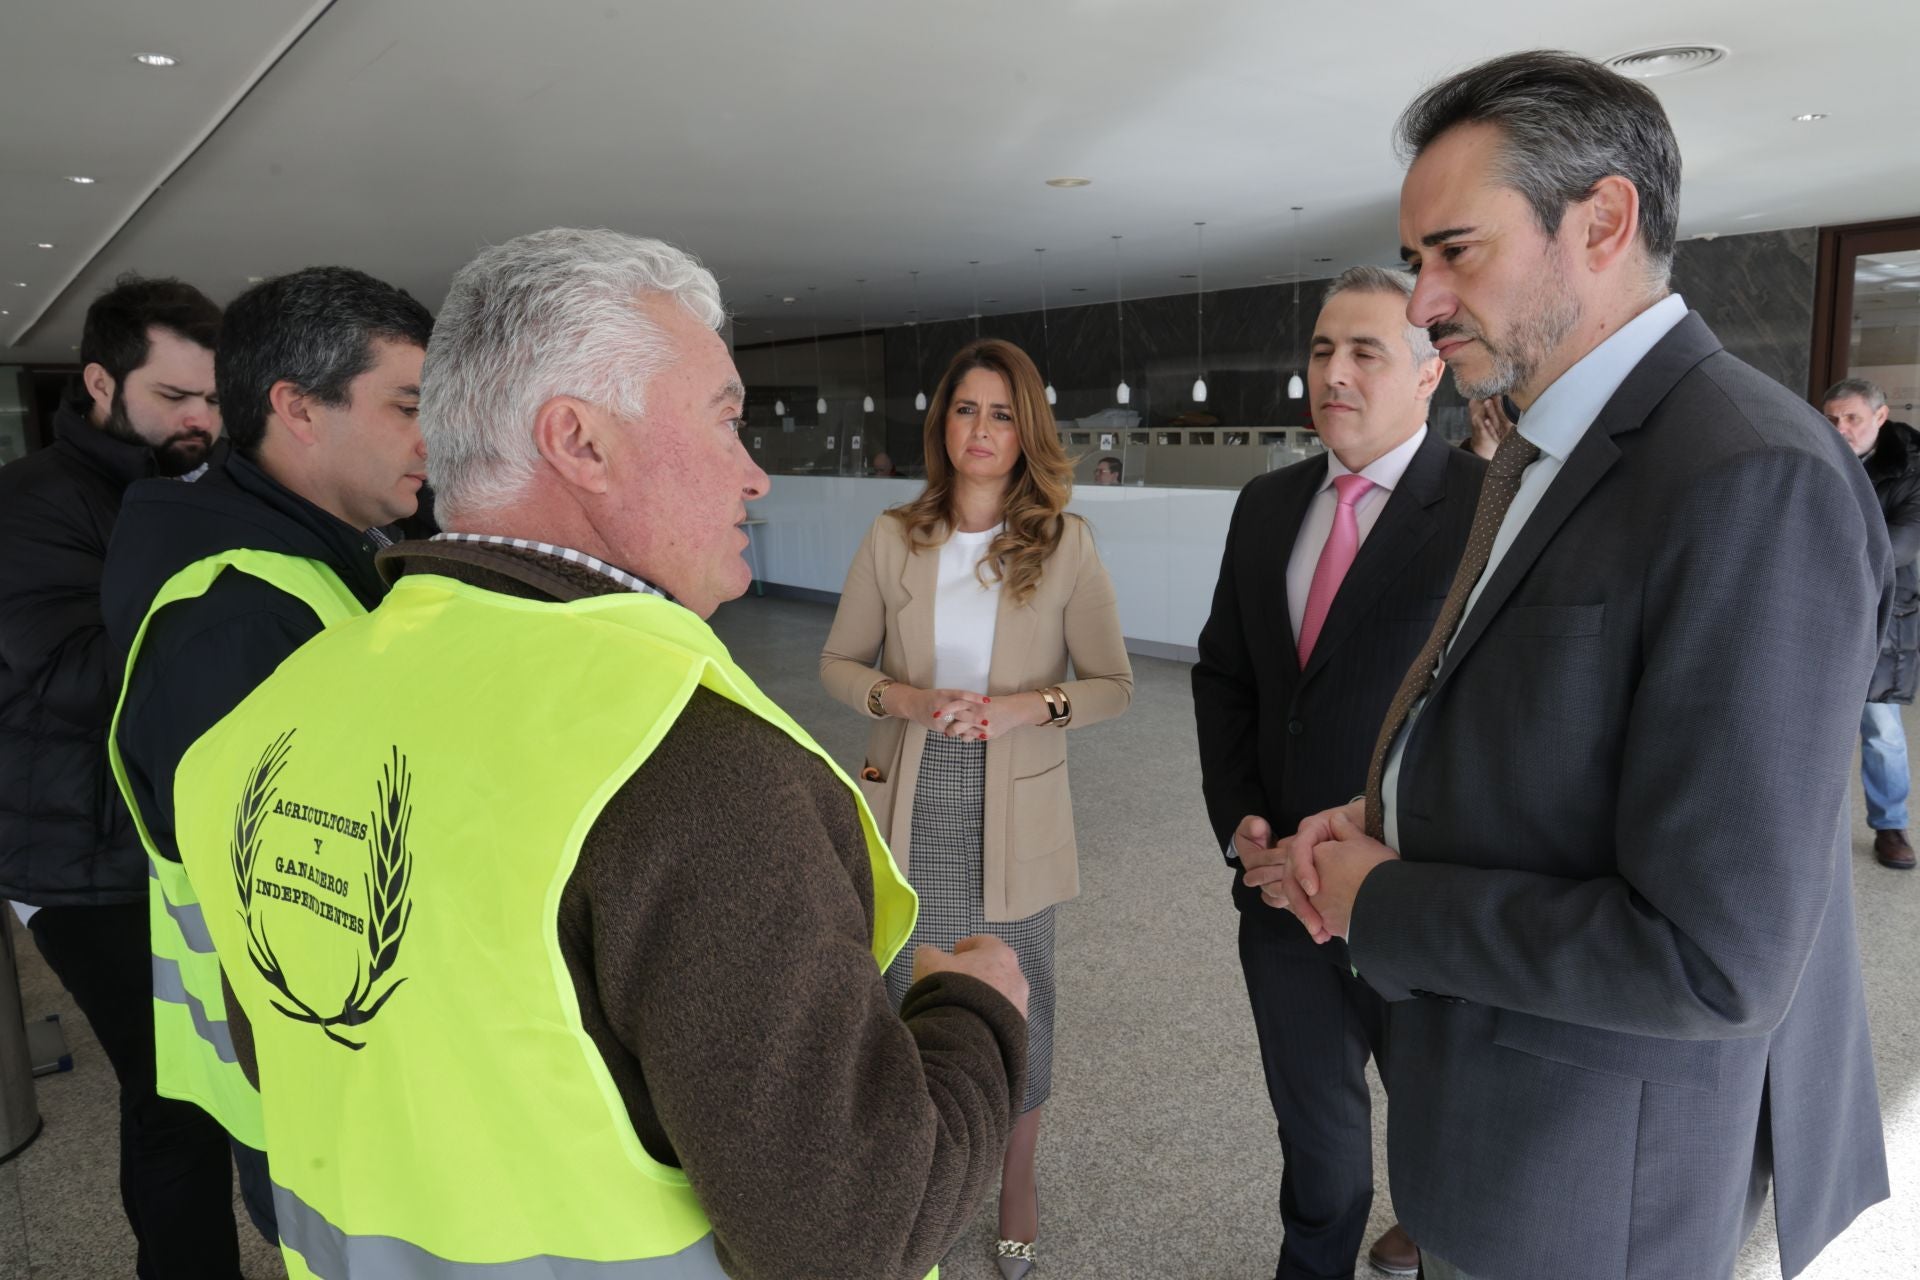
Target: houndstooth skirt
(943, 866)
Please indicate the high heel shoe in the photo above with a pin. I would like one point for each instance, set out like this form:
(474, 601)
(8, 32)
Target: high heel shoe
(1015, 1257)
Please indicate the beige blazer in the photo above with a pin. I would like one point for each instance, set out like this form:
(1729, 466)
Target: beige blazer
(886, 609)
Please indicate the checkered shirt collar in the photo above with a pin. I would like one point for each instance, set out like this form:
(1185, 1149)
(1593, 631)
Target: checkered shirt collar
(595, 563)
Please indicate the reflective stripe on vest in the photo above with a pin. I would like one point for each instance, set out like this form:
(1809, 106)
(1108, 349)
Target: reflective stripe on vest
(194, 1058)
(381, 834)
(169, 988)
(193, 925)
(331, 1254)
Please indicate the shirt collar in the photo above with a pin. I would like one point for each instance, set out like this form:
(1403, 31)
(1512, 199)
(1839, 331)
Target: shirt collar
(1386, 470)
(1561, 415)
(630, 581)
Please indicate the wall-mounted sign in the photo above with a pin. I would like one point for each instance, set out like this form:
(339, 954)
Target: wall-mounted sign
(756, 442)
(853, 442)
(829, 442)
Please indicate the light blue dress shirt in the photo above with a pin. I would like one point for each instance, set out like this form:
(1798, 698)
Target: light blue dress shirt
(1556, 422)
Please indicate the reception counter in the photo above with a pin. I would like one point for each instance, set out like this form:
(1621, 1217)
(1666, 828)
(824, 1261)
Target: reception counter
(1162, 545)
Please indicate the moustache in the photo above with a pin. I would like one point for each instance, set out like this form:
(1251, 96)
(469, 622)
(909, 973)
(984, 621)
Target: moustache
(1450, 329)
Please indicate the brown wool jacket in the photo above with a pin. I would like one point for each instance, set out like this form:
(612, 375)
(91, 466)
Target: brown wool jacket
(717, 927)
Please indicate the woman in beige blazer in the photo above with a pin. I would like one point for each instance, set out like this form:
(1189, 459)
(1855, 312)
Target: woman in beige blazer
(960, 615)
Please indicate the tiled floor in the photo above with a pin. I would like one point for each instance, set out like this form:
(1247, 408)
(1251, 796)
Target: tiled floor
(1158, 1157)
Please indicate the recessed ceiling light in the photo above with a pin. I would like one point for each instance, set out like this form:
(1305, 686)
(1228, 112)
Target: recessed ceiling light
(1079, 289)
(19, 284)
(5, 313)
(76, 178)
(1666, 60)
(1323, 259)
(789, 299)
(1810, 117)
(154, 60)
(1069, 182)
(255, 279)
(43, 244)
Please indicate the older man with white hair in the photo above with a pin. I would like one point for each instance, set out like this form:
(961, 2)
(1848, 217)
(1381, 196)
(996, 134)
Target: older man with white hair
(570, 950)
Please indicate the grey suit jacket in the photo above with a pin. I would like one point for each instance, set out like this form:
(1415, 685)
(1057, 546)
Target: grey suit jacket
(1621, 936)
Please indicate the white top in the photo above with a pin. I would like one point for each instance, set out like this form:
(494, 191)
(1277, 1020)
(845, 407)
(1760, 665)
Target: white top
(1555, 422)
(964, 614)
(1317, 526)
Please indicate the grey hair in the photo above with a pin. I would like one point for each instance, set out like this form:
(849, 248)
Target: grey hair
(547, 314)
(1371, 279)
(1869, 391)
(1566, 122)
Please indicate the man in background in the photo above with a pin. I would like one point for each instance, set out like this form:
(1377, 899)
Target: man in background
(145, 406)
(1890, 451)
(209, 587)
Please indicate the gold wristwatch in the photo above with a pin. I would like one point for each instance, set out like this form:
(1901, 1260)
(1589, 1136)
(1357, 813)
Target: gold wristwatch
(876, 694)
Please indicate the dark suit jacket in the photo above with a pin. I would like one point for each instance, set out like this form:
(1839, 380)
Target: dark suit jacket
(1283, 742)
(1626, 836)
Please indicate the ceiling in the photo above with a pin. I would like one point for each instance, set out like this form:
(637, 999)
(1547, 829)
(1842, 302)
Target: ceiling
(797, 148)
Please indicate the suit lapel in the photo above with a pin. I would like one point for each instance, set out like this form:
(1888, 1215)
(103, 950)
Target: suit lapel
(919, 578)
(1645, 387)
(1403, 528)
(1282, 531)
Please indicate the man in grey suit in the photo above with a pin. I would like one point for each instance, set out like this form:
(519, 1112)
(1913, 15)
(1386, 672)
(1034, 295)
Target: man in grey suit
(1602, 870)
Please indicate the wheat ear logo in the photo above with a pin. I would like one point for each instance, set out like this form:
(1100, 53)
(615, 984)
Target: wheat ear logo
(386, 883)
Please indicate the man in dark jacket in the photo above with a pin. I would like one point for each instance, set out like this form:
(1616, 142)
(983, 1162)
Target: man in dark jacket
(69, 858)
(1891, 452)
(321, 373)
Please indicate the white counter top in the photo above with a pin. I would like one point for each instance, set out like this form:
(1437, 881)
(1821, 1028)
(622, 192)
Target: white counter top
(1162, 546)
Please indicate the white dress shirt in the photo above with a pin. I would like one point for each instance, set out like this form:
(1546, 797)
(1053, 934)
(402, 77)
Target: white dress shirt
(1317, 526)
(1556, 423)
(965, 613)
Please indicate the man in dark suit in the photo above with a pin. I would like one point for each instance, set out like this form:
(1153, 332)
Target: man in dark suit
(1333, 574)
(1604, 877)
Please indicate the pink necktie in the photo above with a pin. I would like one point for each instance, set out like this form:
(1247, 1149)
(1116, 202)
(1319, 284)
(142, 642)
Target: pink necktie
(1343, 544)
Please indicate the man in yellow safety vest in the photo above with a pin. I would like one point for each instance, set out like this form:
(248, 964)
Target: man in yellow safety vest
(557, 942)
(210, 586)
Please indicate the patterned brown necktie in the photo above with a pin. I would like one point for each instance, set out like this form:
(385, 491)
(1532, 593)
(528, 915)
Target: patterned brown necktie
(1496, 495)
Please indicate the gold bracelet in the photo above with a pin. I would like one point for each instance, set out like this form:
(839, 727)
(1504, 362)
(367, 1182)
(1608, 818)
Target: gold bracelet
(876, 697)
(1059, 707)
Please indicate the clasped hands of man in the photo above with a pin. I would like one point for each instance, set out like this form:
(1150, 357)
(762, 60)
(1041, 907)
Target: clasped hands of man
(1316, 872)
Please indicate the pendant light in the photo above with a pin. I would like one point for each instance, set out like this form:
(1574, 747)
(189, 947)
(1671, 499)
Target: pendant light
(866, 397)
(919, 397)
(1122, 394)
(1296, 388)
(1200, 313)
(779, 404)
(1046, 339)
(975, 264)
(819, 383)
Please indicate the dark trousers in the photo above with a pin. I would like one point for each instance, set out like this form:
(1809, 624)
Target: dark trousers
(1317, 1024)
(176, 1171)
